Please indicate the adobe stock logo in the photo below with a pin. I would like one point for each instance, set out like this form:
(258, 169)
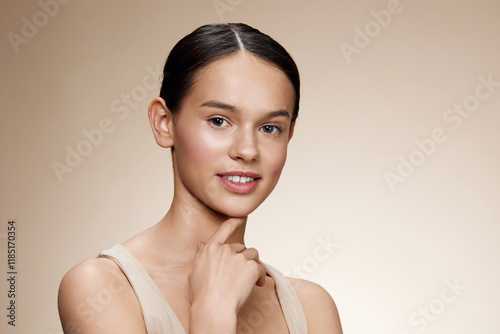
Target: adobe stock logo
(322, 252)
(430, 312)
(31, 27)
(364, 35)
(121, 109)
(223, 6)
(453, 116)
(90, 309)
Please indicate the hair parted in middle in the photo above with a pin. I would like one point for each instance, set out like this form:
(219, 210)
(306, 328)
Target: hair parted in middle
(212, 42)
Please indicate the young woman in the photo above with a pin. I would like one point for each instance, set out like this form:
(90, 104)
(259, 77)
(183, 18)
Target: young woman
(227, 109)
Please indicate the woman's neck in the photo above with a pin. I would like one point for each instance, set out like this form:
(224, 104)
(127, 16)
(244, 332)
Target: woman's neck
(188, 222)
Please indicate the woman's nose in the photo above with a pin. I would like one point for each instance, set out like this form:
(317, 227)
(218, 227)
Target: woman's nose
(244, 146)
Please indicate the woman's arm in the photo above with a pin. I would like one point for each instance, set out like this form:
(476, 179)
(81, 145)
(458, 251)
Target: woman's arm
(320, 309)
(95, 297)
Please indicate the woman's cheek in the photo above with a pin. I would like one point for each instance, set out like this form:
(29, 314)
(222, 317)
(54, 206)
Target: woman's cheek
(277, 159)
(197, 144)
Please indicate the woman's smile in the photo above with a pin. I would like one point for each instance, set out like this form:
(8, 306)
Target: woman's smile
(240, 182)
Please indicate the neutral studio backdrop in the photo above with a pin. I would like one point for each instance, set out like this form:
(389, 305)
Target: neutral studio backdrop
(390, 198)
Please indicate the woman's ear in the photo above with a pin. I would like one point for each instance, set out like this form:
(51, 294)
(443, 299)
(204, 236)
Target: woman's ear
(161, 120)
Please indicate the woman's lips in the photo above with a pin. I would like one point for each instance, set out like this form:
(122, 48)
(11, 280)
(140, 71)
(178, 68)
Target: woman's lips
(239, 182)
(241, 173)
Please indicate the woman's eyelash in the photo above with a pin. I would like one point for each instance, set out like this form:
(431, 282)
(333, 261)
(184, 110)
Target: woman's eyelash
(268, 128)
(217, 121)
(278, 128)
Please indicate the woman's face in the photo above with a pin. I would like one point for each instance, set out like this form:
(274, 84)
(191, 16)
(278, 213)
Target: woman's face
(234, 124)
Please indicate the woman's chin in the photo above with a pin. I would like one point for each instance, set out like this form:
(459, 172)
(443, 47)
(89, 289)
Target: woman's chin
(236, 211)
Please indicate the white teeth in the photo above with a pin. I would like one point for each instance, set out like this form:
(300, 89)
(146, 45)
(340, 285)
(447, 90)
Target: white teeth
(239, 179)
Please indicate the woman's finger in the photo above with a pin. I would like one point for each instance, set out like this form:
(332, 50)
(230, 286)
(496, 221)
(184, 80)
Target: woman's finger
(251, 254)
(262, 276)
(225, 230)
(238, 248)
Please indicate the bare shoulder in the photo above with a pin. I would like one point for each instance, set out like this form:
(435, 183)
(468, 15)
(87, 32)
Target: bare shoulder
(96, 297)
(320, 309)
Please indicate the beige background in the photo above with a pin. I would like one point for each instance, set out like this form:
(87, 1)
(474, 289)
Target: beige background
(393, 251)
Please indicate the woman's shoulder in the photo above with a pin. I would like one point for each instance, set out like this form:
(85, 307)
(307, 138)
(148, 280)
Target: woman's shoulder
(92, 273)
(92, 291)
(318, 305)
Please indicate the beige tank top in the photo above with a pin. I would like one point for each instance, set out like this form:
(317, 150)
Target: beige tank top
(159, 316)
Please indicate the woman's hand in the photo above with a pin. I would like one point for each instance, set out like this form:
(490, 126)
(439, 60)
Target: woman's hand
(221, 280)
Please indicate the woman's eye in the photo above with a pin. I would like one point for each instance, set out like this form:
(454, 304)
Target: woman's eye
(271, 129)
(217, 121)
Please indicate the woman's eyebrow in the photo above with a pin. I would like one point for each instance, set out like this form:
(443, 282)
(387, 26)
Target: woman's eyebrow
(220, 105)
(279, 113)
(233, 109)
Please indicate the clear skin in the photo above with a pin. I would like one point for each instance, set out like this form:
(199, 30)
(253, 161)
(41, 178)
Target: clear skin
(237, 117)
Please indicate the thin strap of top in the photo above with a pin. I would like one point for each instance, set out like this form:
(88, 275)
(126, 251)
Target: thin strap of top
(289, 301)
(160, 318)
(158, 315)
